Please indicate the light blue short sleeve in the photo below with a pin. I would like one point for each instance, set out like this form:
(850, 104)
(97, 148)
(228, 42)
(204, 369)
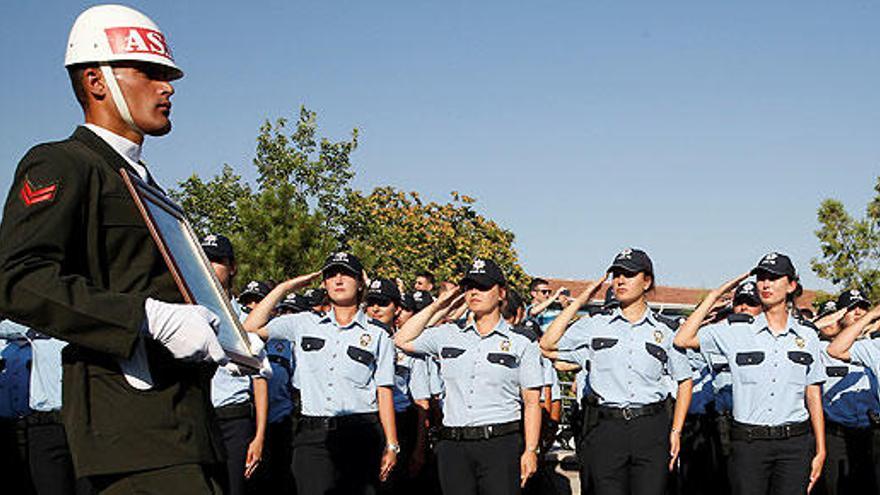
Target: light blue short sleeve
(384, 374)
(429, 342)
(709, 340)
(816, 371)
(531, 373)
(866, 352)
(286, 327)
(577, 335)
(419, 382)
(679, 366)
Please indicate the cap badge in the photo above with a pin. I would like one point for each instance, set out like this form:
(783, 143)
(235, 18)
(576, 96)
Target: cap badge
(770, 258)
(210, 240)
(366, 339)
(800, 343)
(478, 266)
(375, 284)
(854, 293)
(340, 256)
(625, 254)
(252, 285)
(505, 345)
(658, 336)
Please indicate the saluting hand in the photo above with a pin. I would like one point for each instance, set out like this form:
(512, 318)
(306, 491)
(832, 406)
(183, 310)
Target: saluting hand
(729, 285)
(528, 465)
(588, 292)
(300, 281)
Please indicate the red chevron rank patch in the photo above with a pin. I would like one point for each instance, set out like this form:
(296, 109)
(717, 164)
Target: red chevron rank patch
(32, 196)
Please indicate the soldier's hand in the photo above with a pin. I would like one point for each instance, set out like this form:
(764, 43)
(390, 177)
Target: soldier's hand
(188, 331)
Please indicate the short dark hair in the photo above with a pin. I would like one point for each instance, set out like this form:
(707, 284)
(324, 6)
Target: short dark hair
(511, 305)
(536, 282)
(427, 275)
(75, 72)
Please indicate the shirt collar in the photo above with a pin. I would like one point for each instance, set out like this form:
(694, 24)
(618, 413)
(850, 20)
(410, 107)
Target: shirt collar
(648, 317)
(501, 328)
(359, 319)
(790, 325)
(129, 150)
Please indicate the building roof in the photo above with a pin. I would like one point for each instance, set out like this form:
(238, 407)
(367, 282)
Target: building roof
(663, 296)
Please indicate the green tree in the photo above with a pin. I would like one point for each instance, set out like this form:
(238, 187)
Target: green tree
(212, 206)
(850, 247)
(397, 234)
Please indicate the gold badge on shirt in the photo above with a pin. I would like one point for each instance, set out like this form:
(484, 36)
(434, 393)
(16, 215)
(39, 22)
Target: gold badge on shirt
(365, 340)
(800, 342)
(505, 345)
(658, 336)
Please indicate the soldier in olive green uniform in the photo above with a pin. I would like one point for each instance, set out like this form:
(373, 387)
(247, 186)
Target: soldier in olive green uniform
(77, 262)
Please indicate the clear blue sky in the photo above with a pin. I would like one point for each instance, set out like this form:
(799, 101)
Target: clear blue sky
(706, 133)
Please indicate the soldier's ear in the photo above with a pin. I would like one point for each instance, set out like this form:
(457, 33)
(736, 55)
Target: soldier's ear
(93, 84)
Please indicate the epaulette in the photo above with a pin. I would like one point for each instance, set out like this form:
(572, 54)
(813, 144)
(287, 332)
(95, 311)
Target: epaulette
(672, 323)
(740, 318)
(319, 313)
(526, 332)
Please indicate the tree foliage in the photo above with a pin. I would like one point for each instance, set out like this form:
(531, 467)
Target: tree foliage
(850, 247)
(399, 234)
(302, 207)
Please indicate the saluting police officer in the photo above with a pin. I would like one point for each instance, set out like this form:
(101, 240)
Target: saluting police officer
(778, 436)
(240, 401)
(345, 372)
(854, 346)
(633, 437)
(850, 398)
(78, 263)
(411, 391)
(493, 378)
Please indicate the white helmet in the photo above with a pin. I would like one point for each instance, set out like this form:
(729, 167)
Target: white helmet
(115, 33)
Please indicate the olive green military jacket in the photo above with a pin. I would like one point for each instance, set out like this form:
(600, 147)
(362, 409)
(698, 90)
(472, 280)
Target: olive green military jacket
(77, 262)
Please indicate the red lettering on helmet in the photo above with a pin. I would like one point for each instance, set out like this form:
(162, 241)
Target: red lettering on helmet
(137, 40)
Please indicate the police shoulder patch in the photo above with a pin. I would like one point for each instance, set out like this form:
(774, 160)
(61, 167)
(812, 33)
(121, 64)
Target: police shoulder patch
(740, 318)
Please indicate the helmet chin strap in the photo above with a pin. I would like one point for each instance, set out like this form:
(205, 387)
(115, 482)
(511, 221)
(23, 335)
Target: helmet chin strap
(118, 98)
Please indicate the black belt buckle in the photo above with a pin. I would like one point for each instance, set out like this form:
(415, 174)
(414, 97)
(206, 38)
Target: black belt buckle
(487, 432)
(627, 414)
(330, 423)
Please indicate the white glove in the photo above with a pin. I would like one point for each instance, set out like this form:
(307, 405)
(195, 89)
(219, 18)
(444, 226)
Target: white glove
(188, 331)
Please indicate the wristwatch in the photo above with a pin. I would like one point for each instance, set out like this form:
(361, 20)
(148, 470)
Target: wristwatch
(536, 450)
(393, 447)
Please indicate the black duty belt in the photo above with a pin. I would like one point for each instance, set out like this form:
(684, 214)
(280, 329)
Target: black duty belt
(742, 431)
(629, 413)
(479, 432)
(235, 411)
(839, 430)
(38, 418)
(329, 423)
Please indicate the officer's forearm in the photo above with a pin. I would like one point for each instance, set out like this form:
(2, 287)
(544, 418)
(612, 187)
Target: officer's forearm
(259, 316)
(261, 406)
(423, 407)
(817, 415)
(531, 418)
(557, 328)
(682, 403)
(385, 399)
(415, 326)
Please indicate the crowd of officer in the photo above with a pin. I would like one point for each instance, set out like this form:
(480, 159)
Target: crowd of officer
(111, 383)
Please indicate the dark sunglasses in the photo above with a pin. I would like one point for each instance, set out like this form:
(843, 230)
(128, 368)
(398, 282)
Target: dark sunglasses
(544, 291)
(470, 284)
(379, 301)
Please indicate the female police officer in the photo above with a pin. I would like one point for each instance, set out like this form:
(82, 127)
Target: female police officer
(345, 372)
(777, 399)
(631, 358)
(493, 378)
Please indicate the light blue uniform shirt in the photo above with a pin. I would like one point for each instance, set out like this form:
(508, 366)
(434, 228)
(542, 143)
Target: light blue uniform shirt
(551, 379)
(280, 383)
(435, 381)
(15, 358)
(631, 364)
(337, 367)
(411, 380)
(226, 388)
(770, 373)
(484, 375)
(45, 376)
(849, 391)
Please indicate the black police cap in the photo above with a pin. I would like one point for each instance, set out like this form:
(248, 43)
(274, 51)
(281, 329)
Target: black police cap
(776, 264)
(346, 261)
(255, 290)
(421, 299)
(484, 273)
(217, 247)
(295, 302)
(851, 298)
(383, 289)
(632, 261)
(315, 297)
(746, 293)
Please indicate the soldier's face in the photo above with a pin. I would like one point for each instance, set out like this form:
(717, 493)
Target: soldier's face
(403, 316)
(484, 300)
(773, 289)
(381, 310)
(747, 309)
(422, 283)
(630, 287)
(541, 293)
(147, 90)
